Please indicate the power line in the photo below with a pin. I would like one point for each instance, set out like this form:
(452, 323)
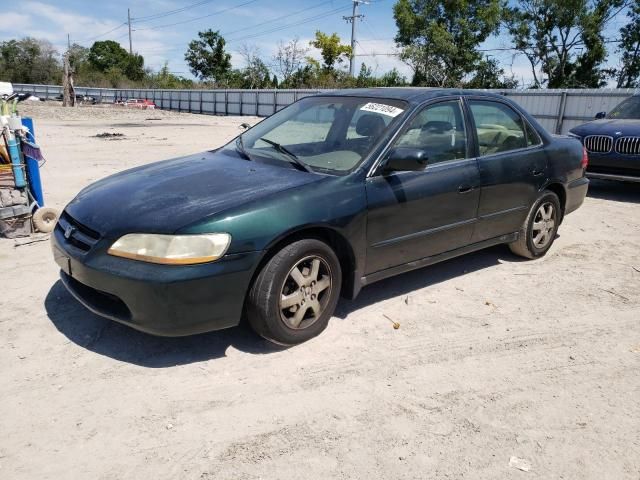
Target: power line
(288, 15)
(148, 18)
(265, 32)
(158, 27)
(294, 24)
(497, 49)
(105, 33)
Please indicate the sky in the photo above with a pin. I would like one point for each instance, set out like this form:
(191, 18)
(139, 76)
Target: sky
(161, 29)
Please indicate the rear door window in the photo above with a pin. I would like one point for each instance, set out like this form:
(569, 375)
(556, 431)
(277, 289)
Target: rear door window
(499, 128)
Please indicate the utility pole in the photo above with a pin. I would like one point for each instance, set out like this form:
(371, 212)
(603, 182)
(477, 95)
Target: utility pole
(129, 22)
(353, 19)
(68, 42)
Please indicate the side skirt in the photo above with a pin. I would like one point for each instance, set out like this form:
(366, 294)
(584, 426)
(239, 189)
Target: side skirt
(423, 262)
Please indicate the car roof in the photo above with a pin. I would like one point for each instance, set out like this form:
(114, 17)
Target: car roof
(412, 95)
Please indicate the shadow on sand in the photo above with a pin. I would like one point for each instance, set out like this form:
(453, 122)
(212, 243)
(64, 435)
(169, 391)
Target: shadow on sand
(128, 345)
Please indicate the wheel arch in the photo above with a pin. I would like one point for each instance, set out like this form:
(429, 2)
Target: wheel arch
(332, 237)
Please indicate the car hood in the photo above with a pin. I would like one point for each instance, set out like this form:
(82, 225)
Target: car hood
(608, 126)
(166, 196)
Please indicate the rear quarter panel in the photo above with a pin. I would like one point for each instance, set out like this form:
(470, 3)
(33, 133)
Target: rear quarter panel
(565, 159)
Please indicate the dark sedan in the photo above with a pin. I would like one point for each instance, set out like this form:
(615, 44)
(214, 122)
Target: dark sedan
(328, 195)
(613, 142)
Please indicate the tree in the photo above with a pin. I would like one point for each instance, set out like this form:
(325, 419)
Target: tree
(256, 73)
(392, 78)
(628, 76)
(563, 39)
(109, 56)
(78, 56)
(165, 79)
(365, 77)
(29, 60)
(440, 40)
(289, 58)
(331, 50)
(489, 74)
(207, 58)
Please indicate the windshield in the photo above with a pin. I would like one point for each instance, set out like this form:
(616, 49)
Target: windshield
(629, 109)
(326, 134)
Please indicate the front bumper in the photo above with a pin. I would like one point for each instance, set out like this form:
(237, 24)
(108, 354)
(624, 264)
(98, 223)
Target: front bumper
(162, 300)
(614, 166)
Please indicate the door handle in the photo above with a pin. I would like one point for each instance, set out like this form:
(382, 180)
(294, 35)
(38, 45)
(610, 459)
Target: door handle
(465, 188)
(537, 173)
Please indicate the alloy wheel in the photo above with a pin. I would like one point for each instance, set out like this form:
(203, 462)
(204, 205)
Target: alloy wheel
(305, 293)
(544, 223)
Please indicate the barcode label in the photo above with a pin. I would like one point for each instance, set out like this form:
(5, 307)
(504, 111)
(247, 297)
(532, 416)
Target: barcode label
(388, 110)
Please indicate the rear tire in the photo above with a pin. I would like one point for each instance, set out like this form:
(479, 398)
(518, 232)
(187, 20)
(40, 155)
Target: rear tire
(539, 229)
(296, 292)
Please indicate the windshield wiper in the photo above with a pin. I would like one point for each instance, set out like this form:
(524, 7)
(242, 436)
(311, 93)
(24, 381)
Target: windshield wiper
(299, 163)
(240, 148)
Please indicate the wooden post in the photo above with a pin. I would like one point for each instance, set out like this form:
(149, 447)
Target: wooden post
(68, 94)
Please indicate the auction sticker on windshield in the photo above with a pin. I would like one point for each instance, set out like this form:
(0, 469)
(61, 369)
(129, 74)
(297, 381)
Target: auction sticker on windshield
(388, 110)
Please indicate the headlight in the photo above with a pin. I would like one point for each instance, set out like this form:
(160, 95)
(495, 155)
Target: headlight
(171, 249)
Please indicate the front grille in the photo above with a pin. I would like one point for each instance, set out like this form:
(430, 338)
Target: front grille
(77, 234)
(628, 145)
(598, 143)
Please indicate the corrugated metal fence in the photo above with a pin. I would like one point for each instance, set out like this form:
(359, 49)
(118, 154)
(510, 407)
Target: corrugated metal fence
(557, 110)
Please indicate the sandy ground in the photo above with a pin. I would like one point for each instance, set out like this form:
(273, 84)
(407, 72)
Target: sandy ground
(495, 357)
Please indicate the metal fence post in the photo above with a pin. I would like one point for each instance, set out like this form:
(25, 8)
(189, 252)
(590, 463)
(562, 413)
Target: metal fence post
(561, 110)
(241, 99)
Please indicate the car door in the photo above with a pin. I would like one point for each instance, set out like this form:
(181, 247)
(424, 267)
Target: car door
(413, 215)
(512, 164)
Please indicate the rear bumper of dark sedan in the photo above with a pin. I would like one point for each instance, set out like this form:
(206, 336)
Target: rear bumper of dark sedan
(161, 300)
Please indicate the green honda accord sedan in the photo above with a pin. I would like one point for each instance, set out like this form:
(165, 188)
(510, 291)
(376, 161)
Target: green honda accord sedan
(329, 194)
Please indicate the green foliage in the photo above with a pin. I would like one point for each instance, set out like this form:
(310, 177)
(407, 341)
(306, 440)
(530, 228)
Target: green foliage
(331, 50)
(29, 60)
(440, 40)
(563, 39)
(489, 74)
(628, 76)
(393, 78)
(365, 77)
(165, 79)
(107, 54)
(207, 57)
(115, 62)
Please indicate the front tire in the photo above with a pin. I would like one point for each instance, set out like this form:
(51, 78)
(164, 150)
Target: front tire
(296, 292)
(539, 229)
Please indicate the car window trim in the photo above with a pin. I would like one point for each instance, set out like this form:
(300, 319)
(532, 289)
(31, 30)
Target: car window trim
(402, 128)
(476, 143)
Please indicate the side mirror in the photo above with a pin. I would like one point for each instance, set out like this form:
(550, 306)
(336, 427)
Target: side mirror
(245, 126)
(406, 159)
(601, 115)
